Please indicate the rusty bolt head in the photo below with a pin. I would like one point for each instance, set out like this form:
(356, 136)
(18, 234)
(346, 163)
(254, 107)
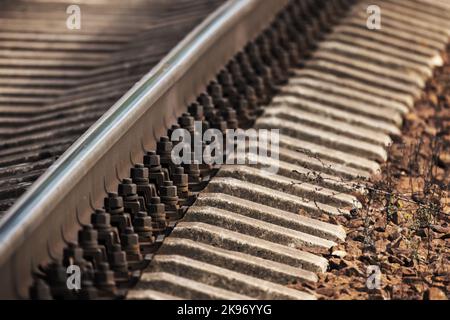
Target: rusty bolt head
(100, 219)
(88, 236)
(127, 187)
(151, 159)
(168, 189)
(113, 201)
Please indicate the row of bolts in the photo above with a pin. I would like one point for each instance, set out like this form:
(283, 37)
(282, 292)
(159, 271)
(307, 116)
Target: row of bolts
(113, 248)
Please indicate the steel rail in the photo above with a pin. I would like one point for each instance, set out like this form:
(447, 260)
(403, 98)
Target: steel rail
(36, 228)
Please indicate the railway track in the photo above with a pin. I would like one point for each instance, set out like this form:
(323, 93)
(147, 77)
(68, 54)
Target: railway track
(117, 206)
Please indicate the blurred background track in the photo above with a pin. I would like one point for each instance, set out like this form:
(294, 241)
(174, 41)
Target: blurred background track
(56, 82)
